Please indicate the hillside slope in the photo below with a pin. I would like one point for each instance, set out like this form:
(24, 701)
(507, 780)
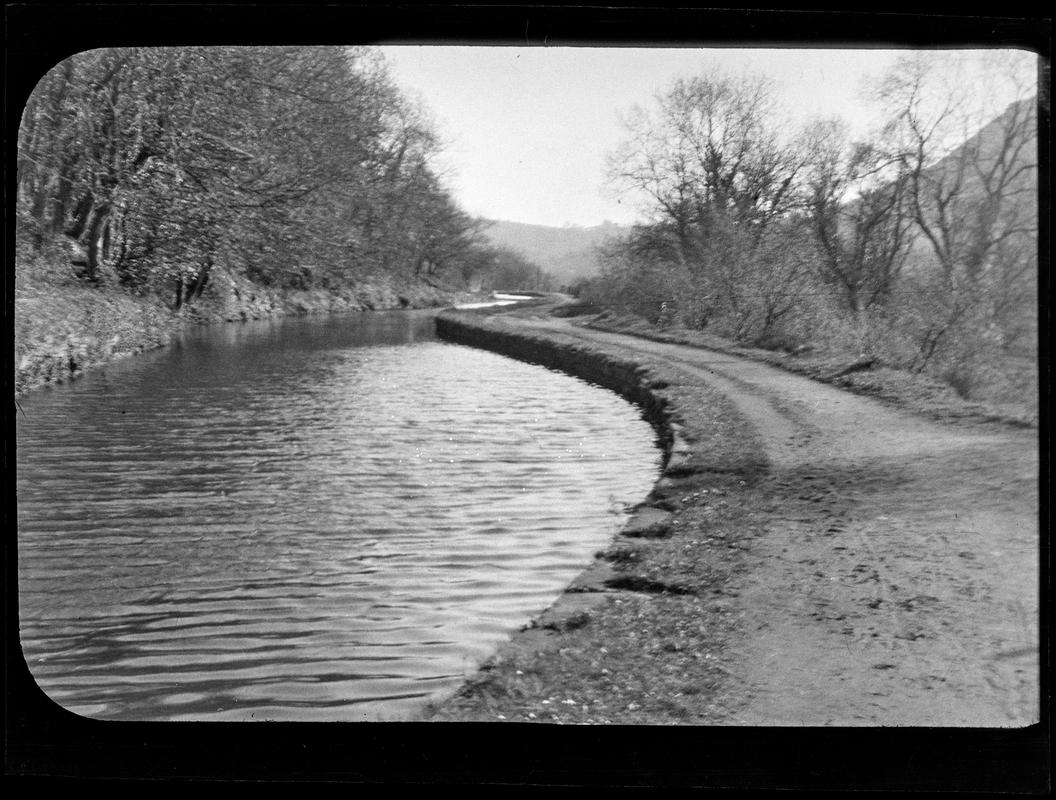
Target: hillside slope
(567, 253)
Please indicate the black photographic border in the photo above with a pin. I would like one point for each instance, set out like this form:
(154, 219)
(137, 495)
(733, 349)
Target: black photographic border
(47, 743)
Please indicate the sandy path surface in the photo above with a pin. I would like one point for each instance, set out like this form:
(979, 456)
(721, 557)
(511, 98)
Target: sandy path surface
(896, 582)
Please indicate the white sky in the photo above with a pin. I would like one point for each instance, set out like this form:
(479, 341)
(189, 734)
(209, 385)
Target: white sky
(527, 129)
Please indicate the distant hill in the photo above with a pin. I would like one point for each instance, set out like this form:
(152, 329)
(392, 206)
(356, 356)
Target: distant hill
(1003, 149)
(567, 253)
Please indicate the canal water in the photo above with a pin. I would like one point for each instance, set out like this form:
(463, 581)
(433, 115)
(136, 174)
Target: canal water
(315, 519)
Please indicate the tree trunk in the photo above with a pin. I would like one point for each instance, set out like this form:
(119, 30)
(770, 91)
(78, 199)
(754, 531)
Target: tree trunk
(92, 243)
(81, 213)
(179, 295)
(195, 289)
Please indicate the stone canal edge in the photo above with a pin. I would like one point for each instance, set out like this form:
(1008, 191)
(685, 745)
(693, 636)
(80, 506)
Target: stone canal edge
(807, 557)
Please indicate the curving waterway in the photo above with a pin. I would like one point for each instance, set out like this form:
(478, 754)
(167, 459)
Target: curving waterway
(331, 518)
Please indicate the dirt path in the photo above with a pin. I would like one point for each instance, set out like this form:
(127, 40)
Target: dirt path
(896, 582)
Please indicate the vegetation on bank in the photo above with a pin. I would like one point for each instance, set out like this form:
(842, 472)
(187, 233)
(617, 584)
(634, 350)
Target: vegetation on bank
(60, 332)
(226, 183)
(919, 393)
(916, 248)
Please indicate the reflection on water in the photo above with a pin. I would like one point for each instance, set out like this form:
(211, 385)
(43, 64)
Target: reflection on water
(308, 519)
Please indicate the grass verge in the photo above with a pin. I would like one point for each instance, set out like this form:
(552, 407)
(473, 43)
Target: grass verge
(920, 394)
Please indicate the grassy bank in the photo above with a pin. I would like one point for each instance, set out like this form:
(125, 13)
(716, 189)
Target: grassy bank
(62, 328)
(919, 393)
(61, 331)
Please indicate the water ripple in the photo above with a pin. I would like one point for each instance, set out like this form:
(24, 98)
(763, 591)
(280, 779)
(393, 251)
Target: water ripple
(239, 526)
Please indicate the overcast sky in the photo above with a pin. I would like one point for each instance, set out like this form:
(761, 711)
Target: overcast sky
(527, 129)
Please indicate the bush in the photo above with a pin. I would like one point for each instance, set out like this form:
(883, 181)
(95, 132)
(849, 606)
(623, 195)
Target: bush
(45, 265)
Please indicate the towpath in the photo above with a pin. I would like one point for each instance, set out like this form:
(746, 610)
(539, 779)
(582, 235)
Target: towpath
(896, 579)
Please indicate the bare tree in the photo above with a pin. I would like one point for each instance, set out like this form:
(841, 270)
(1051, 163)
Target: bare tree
(709, 148)
(971, 181)
(295, 167)
(716, 177)
(857, 200)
